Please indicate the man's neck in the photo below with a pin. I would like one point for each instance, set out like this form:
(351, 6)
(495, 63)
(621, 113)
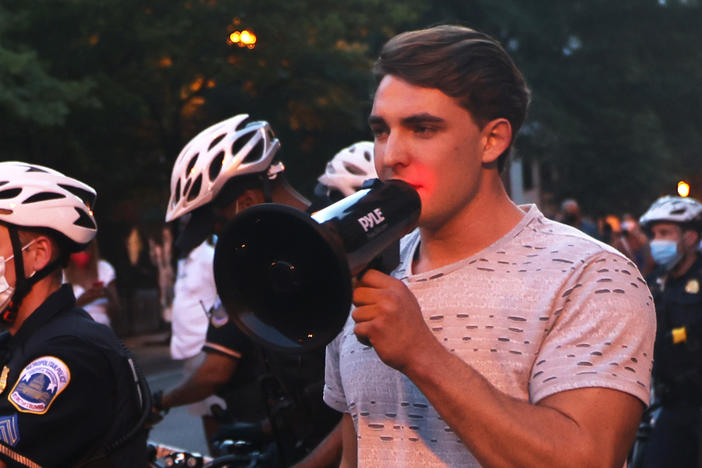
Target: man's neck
(481, 223)
(684, 265)
(287, 195)
(35, 298)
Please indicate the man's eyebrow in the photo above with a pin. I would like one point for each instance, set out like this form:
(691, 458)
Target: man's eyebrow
(375, 120)
(424, 117)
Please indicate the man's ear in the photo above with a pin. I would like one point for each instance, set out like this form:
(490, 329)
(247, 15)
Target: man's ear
(496, 138)
(250, 197)
(691, 238)
(38, 255)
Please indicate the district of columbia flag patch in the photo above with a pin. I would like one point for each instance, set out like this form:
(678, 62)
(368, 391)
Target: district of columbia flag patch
(39, 383)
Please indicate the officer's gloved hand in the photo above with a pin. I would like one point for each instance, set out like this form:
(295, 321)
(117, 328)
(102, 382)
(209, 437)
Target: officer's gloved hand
(158, 412)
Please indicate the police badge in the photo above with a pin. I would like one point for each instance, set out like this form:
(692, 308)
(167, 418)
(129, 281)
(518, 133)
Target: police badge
(692, 286)
(3, 378)
(39, 383)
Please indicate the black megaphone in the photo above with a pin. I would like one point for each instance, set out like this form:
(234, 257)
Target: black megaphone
(284, 276)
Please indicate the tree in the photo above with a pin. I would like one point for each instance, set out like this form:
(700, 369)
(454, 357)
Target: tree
(110, 90)
(162, 70)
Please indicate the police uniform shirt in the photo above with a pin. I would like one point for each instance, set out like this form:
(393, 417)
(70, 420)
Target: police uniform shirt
(242, 392)
(66, 388)
(679, 304)
(680, 297)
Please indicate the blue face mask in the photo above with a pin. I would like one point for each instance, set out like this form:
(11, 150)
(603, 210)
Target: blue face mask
(665, 253)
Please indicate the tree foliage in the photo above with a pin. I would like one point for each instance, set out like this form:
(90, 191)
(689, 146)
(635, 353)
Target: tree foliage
(110, 90)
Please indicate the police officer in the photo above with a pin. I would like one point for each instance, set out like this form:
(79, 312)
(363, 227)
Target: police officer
(223, 170)
(674, 224)
(68, 395)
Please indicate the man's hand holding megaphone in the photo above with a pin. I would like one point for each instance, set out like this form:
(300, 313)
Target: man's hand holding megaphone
(389, 319)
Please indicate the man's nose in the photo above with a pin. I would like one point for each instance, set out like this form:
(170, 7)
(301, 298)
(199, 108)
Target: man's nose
(393, 154)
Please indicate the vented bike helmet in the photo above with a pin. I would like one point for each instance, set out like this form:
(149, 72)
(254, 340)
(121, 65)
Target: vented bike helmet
(347, 171)
(227, 149)
(673, 210)
(34, 196)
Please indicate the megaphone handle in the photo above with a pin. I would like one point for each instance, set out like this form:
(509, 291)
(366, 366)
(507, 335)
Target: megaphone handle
(386, 261)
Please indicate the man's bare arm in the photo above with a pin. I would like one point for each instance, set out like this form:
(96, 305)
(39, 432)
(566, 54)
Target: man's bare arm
(326, 454)
(584, 427)
(216, 370)
(349, 443)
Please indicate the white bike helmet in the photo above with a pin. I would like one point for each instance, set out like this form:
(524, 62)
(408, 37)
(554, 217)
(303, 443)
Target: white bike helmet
(34, 196)
(349, 168)
(227, 149)
(674, 210)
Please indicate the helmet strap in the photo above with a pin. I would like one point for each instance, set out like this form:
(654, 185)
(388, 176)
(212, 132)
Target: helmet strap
(23, 285)
(267, 189)
(321, 191)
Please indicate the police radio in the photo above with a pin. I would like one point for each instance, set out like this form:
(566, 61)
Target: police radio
(285, 276)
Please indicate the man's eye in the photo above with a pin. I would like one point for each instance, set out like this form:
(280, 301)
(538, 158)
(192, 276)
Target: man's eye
(423, 130)
(379, 132)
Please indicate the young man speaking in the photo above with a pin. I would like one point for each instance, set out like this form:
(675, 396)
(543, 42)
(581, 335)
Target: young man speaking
(502, 338)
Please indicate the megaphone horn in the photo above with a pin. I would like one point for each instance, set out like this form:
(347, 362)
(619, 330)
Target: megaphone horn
(285, 277)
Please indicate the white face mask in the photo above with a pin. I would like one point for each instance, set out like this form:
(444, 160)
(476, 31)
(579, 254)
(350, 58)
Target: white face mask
(665, 253)
(6, 291)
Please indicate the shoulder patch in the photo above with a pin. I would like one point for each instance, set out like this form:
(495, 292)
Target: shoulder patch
(9, 430)
(39, 383)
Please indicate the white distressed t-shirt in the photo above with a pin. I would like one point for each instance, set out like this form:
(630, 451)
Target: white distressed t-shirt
(542, 310)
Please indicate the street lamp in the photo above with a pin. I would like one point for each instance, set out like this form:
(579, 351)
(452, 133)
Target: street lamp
(683, 189)
(245, 38)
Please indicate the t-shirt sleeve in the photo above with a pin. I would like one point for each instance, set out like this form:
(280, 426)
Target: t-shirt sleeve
(51, 410)
(600, 334)
(333, 389)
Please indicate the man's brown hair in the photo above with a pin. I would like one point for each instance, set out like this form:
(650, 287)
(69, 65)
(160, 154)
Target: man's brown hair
(464, 64)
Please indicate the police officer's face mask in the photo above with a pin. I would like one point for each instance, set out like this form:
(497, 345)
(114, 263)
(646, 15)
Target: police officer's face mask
(665, 253)
(6, 290)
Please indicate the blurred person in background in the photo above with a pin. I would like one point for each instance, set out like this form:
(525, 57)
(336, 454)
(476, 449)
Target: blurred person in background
(194, 298)
(94, 284)
(161, 253)
(345, 173)
(674, 225)
(571, 215)
(137, 283)
(633, 242)
(605, 230)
